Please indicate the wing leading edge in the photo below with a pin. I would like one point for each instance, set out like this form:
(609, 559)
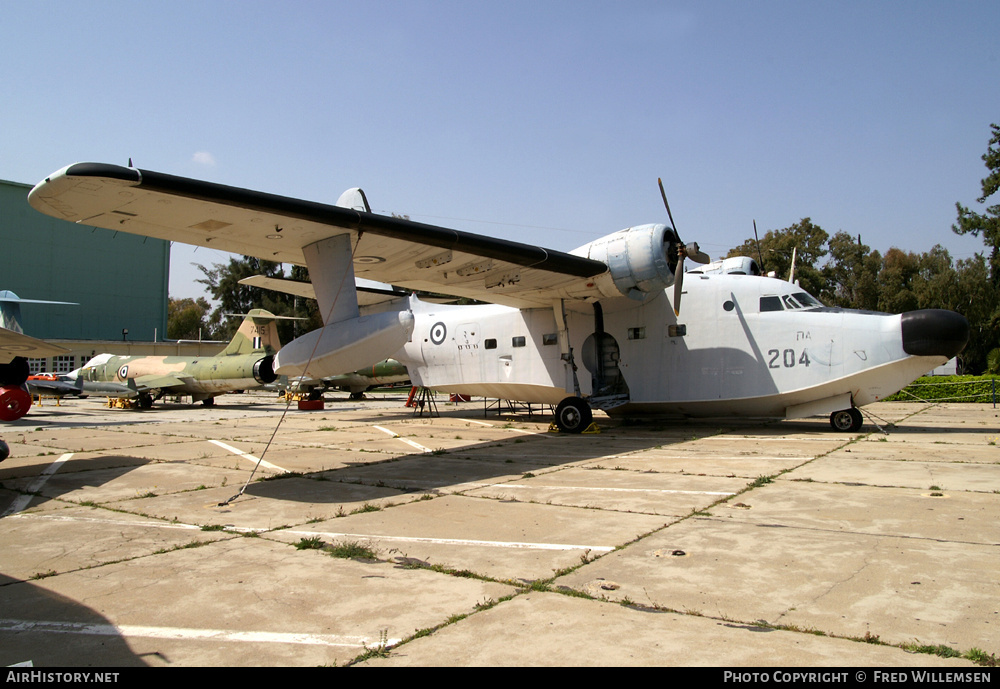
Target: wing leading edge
(277, 228)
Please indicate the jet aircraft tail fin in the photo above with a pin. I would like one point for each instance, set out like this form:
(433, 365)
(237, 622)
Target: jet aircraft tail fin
(257, 334)
(10, 309)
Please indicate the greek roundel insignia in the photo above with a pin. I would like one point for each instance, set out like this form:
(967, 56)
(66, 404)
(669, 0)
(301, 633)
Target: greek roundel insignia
(123, 372)
(438, 333)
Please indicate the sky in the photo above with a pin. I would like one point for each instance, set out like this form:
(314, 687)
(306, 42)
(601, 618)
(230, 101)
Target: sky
(543, 122)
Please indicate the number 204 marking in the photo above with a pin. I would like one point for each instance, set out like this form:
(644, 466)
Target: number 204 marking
(787, 358)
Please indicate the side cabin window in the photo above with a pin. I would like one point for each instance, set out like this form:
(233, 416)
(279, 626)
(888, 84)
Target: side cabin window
(490, 344)
(517, 341)
(550, 339)
(770, 304)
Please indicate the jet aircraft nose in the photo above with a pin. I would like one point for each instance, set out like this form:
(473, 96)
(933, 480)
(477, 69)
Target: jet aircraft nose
(934, 332)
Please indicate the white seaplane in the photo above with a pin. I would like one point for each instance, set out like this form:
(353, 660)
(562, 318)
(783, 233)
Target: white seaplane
(595, 328)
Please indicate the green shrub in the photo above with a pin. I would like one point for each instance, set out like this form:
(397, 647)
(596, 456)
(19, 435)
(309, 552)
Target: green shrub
(948, 389)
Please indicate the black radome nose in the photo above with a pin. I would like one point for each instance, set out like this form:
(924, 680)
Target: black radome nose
(934, 332)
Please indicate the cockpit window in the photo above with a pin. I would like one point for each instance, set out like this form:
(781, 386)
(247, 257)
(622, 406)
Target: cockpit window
(770, 304)
(799, 300)
(807, 300)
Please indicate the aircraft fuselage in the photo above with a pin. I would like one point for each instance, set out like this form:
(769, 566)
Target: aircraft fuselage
(743, 345)
(200, 377)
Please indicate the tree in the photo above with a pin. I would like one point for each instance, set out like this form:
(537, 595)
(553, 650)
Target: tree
(187, 319)
(986, 332)
(807, 239)
(977, 300)
(851, 274)
(223, 282)
(988, 223)
(896, 281)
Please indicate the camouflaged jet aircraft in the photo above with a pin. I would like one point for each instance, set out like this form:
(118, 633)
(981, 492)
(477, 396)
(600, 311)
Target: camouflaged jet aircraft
(387, 372)
(246, 363)
(593, 328)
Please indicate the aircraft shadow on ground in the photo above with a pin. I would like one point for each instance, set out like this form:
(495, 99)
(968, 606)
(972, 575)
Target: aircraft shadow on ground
(35, 627)
(484, 461)
(74, 475)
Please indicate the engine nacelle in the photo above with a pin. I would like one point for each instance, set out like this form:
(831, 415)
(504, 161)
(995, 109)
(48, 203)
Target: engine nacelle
(263, 371)
(640, 260)
(14, 373)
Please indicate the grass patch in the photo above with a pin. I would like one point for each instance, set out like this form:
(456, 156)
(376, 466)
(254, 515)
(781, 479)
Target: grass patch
(351, 550)
(937, 650)
(311, 543)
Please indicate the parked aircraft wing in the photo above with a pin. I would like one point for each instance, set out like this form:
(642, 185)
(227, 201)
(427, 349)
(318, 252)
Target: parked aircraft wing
(14, 344)
(54, 387)
(409, 254)
(157, 382)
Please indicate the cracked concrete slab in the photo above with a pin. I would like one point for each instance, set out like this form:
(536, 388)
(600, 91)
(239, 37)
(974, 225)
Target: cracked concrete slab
(503, 544)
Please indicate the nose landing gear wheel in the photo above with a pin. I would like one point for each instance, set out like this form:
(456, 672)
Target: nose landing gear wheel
(846, 420)
(573, 415)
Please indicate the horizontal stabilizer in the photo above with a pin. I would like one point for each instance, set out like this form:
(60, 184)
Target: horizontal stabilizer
(265, 316)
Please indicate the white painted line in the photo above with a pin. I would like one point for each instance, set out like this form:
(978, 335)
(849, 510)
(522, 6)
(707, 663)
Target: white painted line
(405, 440)
(22, 500)
(481, 423)
(613, 490)
(248, 456)
(739, 458)
(128, 630)
(110, 522)
(459, 541)
(123, 523)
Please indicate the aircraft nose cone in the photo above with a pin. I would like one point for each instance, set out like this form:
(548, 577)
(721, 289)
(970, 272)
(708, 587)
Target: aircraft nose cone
(934, 332)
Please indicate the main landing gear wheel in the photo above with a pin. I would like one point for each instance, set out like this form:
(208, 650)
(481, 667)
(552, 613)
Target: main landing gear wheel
(573, 415)
(846, 420)
(145, 400)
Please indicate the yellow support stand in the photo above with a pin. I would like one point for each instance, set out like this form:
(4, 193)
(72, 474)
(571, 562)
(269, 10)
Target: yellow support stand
(592, 429)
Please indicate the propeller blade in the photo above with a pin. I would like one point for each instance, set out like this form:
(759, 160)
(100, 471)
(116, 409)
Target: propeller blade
(693, 251)
(664, 195)
(678, 284)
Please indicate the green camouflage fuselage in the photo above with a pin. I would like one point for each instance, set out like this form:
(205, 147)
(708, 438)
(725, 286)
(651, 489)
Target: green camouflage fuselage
(246, 363)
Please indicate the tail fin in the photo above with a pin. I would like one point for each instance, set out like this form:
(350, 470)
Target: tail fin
(10, 309)
(257, 334)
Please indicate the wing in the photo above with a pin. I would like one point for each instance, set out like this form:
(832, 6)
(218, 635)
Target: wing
(154, 382)
(412, 255)
(53, 387)
(14, 344)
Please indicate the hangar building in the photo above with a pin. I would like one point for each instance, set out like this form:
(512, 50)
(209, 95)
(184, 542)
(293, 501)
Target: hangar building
(119, 280)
